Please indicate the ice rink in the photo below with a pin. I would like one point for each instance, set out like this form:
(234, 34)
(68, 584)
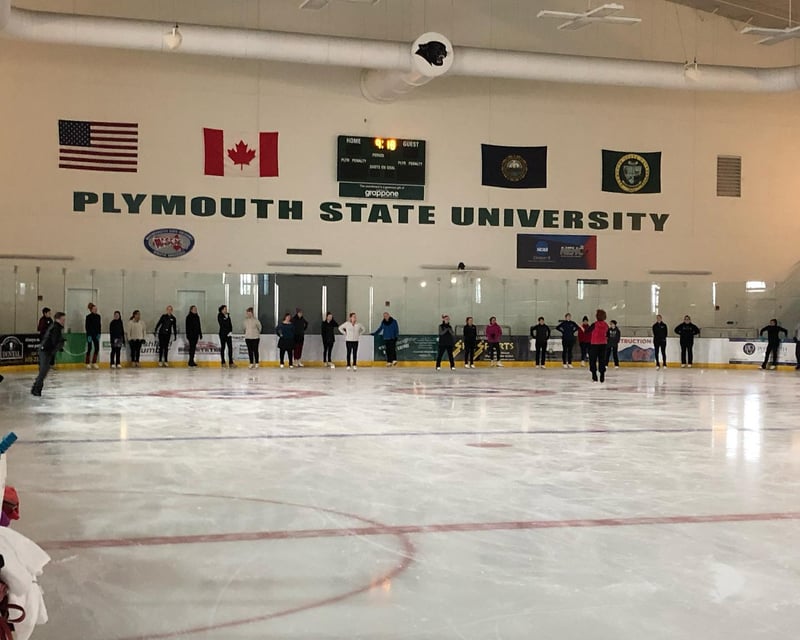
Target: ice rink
(405, 503)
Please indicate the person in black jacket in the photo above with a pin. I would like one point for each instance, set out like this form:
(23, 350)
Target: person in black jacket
(194, 333)
(660, 332)
(612, 350)
(540, 334)
(447, 340)
(44, 322)
(52, 342)
(329, 329)
(166, 329)
(285, 332)
(773, 331)
(470, 343)
(116, 334)
(300, 326)
(568, 329)
(687, 331)
(225, 332)
(93, 331)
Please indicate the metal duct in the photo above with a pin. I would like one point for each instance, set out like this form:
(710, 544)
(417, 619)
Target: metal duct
(374, 55)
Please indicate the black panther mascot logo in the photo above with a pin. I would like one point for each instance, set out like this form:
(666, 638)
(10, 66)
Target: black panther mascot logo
(433, 53)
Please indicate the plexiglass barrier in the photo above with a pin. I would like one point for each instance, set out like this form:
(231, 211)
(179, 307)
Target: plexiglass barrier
(721, 309)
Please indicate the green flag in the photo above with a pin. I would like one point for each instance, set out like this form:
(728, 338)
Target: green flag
(631, 172)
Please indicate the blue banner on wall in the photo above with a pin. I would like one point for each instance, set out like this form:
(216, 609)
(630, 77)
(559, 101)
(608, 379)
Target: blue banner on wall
(537, 251)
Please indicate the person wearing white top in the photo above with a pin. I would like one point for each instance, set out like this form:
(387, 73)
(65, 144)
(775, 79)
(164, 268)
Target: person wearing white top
(352, 330)
(252, 336)
(136, 333)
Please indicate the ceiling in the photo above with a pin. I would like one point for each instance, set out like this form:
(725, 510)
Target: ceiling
(760, 13)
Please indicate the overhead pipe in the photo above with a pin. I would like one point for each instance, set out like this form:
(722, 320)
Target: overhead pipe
(393, 58)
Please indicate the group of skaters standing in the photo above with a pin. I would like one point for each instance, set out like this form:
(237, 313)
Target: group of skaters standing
(598, 341)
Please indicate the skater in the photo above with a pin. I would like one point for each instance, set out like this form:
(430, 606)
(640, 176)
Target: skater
(166, 329)
(797, 346)
(44, 322)
(93, 331)
(568, 329)
(194, 333)
(584, 340)
(329, 327)
(660, 332)
(116, 334)
(390, 330)
(598, 345)
(352, 330)
(687, 331)
(447, 340)
(470, 342)
(252, 336)
(136, 334)
(540, 334)
(225, 332)
(773, 331)
(613, 336)
(493, 334)
(300, 326)
(285, 331)
(52, 341)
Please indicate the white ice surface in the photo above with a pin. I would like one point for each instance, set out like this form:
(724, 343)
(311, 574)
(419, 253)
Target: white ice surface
(306, 492)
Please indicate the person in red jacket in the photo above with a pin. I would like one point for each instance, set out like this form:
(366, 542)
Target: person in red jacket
(597, 334)
(493, 334)
(584, 340)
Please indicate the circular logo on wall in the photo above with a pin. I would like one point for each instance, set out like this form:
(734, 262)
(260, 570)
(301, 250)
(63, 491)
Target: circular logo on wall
(169, 243)
(514, 168)
(749, 348)
(632, 172)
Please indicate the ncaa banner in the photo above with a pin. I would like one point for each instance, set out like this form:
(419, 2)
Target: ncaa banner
(535, 251)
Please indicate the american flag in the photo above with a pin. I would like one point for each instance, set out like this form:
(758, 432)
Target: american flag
(98, 146)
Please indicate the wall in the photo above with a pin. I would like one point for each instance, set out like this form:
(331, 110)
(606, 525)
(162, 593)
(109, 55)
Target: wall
(173, 97)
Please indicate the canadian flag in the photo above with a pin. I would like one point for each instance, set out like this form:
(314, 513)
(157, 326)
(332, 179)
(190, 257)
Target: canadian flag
(244, 155)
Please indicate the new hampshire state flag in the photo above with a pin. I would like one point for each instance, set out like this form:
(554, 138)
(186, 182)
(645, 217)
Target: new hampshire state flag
(245, 155)
(513, 167)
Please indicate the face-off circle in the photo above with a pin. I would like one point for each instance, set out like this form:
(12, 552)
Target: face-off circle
(472, 392)
(237, 394)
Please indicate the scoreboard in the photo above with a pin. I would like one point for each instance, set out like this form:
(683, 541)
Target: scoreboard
(370, 167)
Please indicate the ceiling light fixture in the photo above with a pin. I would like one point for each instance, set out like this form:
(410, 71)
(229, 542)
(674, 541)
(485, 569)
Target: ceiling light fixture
(691, 71)
(173, 38)
(605, 13)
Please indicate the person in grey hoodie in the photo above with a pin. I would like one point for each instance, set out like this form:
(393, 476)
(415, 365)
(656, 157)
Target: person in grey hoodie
(447, 340)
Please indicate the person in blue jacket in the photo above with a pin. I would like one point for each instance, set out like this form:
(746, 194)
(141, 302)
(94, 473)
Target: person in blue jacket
(389, 329)
(568, 329)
